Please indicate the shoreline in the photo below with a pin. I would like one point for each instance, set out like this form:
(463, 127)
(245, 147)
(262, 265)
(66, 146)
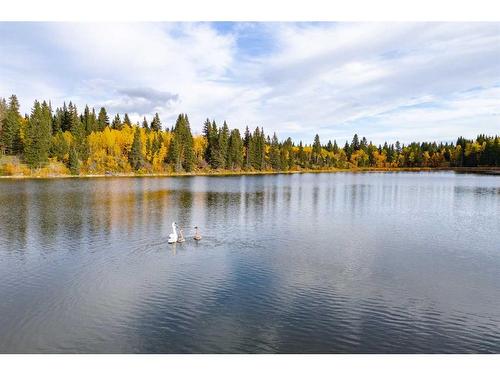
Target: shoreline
(494, 171)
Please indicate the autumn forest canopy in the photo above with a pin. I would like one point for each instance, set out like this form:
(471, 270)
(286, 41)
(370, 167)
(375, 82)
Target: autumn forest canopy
(67, 141)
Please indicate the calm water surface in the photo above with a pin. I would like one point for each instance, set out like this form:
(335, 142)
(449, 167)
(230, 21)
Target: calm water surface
(321, 263)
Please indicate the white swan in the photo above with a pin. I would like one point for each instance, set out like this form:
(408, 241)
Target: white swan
(172, 237)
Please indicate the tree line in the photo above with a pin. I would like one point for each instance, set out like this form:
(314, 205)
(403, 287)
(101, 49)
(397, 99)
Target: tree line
(90, 143)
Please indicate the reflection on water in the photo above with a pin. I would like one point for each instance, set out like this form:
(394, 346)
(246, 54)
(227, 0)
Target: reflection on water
(387, 263)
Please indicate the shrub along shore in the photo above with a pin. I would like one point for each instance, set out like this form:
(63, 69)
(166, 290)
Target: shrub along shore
(49, 172)
(64, 142)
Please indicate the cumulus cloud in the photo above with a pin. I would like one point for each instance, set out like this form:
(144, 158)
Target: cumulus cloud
(141, 100)
(389, 81)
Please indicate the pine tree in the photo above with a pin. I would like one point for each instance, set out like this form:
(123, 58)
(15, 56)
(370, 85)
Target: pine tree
(274, 154)
(89, 120)
(117, 123)
(398, 147)
(329, 146)
(181, 151)
(11, 128)
(246, 145)
(262, 149)
(235, 150)
(157, 141)
(221, 149)
(66, 117)
(3, 112)
(215, 154)
(253, 149)
(38, 135)
(102, 119)
(363, 144)
(135, 156)
(77, 129)
(74, 162)
(302, 156)
(257, 149)
(156, 123)
(145, 124)
(316, 150)
(57, 121)
(212, 140)
(288, 146)
(224, 142)
(355, 143)
(126, 120)
(347, 150)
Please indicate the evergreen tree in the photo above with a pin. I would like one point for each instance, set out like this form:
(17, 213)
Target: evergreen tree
(363, 144)
(355, 143)
(215, 154)
(316, 150)
(10, 140)
(66, 117)
(302, 156)
(257, 149)
(211, 136)
(235, 150)
(348, 150)
(3, 111)
(181, 151)
(38, 135)
(135, 156)
(274, 154)
(145, 124)
(398, 147)
(221, 149)
(78, 131)
(157, 141)
(117, 123)
(89, 120)
(102, 119)
(288, 158)
(217, 159)
(156, 123)
(329, 146)
(57, 121)
(74, 162)
(126, 120)
(246, 145)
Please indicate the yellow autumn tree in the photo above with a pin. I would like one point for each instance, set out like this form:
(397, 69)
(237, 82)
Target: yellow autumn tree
(199, 146)
(108, 150)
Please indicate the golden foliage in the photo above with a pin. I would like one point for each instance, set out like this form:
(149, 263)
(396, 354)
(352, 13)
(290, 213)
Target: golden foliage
(360, 158)
(14, 169)
(108, 150)
(199, 145)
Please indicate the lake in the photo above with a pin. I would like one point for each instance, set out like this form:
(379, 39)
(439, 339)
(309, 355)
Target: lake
(303, 263)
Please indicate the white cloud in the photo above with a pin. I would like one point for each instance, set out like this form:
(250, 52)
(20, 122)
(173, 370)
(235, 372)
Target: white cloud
(383, 80)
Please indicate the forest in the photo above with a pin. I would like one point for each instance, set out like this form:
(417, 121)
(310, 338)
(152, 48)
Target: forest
(66, 141)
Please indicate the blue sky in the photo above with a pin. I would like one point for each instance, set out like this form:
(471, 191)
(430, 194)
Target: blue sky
(385, 81)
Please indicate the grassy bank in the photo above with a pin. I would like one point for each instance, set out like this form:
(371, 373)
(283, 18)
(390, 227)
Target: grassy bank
(11, 168)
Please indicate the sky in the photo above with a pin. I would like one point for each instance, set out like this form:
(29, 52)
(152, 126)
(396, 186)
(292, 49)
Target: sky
(386, 81)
